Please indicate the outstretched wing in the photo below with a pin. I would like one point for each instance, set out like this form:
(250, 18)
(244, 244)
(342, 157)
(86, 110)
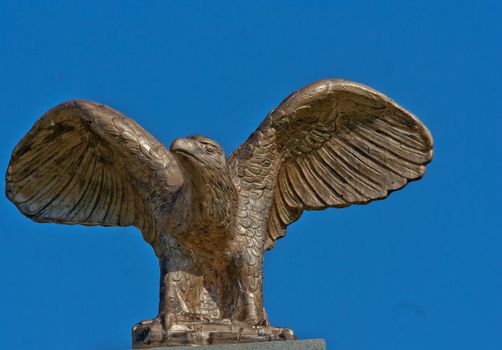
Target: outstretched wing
(331, 144)
(85, 163)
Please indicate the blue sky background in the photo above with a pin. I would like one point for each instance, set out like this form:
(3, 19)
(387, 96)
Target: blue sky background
(420, 270)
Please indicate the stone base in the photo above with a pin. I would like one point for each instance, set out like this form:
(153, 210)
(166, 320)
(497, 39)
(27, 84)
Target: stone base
(199, 333)
(311, 344)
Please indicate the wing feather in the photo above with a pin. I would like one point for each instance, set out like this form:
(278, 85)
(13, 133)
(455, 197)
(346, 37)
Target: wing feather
(331, 144)
(85, 163)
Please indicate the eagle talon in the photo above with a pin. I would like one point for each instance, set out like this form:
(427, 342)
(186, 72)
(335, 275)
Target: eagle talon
(148, 332)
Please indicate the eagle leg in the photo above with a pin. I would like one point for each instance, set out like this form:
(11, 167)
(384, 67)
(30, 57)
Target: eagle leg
(250, 281)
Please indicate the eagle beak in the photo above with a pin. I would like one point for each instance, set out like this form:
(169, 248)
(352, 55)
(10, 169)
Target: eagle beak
(182, 145)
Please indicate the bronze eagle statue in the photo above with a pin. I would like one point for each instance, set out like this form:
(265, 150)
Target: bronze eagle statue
(209, 217)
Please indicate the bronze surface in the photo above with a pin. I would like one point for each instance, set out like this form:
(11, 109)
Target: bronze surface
(208, 217)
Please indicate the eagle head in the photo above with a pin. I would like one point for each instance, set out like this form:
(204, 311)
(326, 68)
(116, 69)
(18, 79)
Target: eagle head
(207, 177)
(200, 155)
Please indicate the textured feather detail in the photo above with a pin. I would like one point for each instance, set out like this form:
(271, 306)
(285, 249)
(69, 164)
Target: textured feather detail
(331, 144)
(85, 163)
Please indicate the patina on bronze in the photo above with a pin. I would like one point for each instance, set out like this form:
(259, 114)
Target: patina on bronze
(209, 217)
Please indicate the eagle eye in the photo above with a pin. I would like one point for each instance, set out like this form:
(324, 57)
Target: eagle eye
(209, 149)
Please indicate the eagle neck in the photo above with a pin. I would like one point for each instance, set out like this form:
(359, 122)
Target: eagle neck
(212, 198)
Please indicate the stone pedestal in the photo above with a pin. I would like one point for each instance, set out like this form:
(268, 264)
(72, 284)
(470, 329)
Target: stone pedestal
(310, 344)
